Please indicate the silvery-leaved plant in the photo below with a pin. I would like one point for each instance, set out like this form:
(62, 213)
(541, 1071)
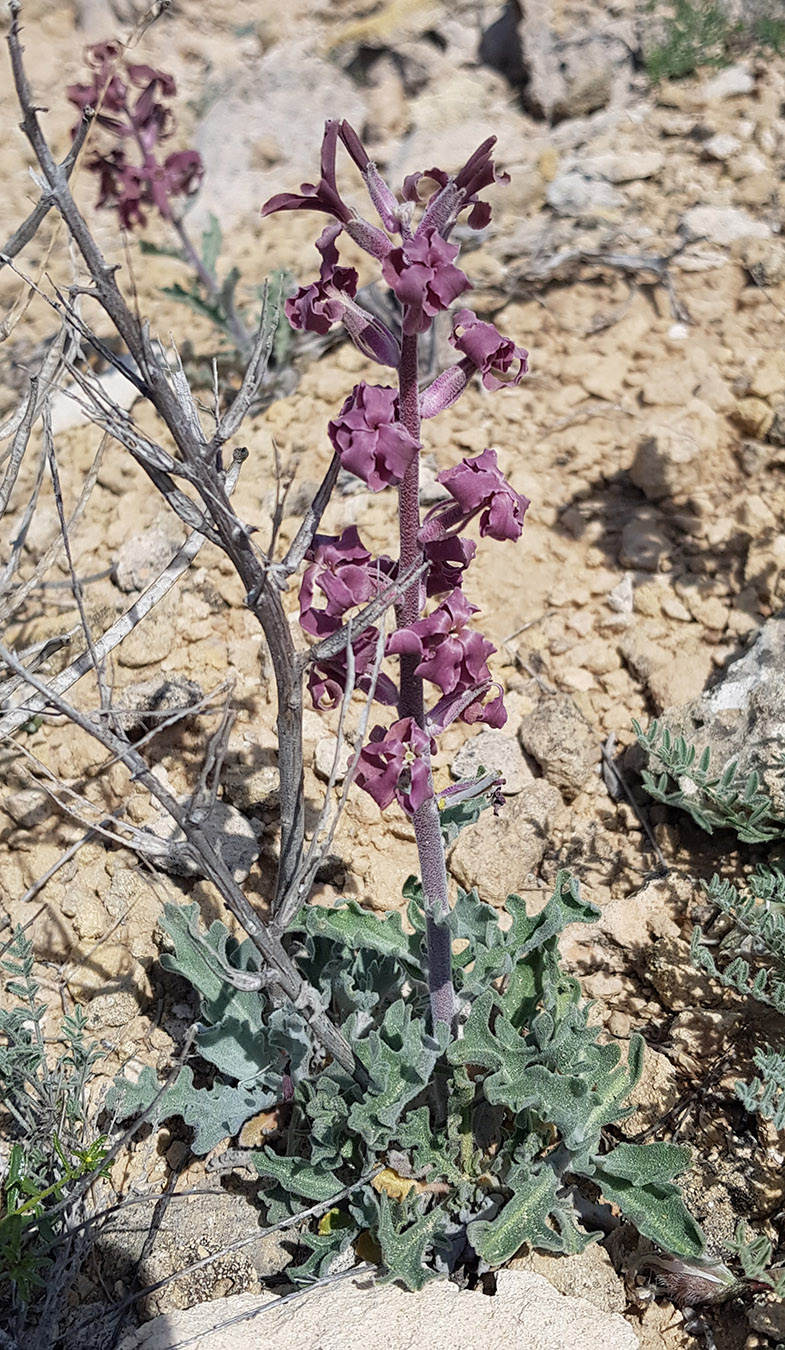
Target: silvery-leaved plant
(479, 1114)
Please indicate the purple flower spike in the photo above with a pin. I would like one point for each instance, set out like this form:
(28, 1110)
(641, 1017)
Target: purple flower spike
(327, 679)
(372, 442)
(423, 275)
(322, 197)
(478, 485)
(495, 358)
(452, 656)
(394, 765)
(447, 196)
(339, 567)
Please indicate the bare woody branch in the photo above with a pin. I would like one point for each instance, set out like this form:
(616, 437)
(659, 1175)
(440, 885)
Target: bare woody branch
(284, 974)
(197, 462)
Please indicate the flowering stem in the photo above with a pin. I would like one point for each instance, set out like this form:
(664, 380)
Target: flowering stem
(427, 830)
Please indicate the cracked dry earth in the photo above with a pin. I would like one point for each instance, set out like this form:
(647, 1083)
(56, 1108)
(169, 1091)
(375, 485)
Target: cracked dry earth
(638, 254)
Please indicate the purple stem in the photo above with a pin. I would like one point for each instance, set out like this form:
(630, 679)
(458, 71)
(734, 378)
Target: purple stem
(411, 703)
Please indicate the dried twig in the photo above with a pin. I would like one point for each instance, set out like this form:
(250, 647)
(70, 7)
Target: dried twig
(120, 629)
(284, 973)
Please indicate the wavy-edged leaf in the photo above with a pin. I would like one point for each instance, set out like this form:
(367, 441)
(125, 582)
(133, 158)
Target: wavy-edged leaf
(405, 1244)
(297, 1176)
(524, 1219)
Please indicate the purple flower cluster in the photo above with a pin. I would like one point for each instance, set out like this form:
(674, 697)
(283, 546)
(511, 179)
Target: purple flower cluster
(133, 185)
(369, 437)
(376, 436)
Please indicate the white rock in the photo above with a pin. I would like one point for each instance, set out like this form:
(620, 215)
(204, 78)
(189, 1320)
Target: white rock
(323, 757)
(526, 1311)
(68, 404)
(232, 837)
(572, 194)
(728, 83)
(721, 146)
(722, 225)
(491, 749)
(627, 167)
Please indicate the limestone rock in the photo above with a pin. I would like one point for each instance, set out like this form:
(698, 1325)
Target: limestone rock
(499, 853)
(187, 1231)
(145, 704)
(722, 225)
(526, 1310)
(644, 545)
(670, 459)
(288, 94)
(323, 757)
(728, 83)
(627, 167)
(142, 556)
(492, 749)
(562, 741)
(231, 835)
(588, 1275)
(573, 194)
(742, 717)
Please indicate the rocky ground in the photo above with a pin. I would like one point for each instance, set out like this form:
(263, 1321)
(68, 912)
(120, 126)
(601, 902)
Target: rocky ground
(637, 253)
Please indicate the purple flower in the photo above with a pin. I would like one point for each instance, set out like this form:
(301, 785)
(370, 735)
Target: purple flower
(107, 86)
(327, 679)
(180, 175)
(317, 307)
(451, 655)
(478, 486)
(395, 764)
(372, 442)
(322, 197)
(448, 195)
(495, 358)
(423, 276)
(126, 186)
(340, 568)
(120, 185)
(486, 352)
(380, 194)
(448, 558)
(468, 705)
(326, 197)
(330, 300)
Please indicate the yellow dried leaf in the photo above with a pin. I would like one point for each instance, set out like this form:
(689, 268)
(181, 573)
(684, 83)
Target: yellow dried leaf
(388, 1182)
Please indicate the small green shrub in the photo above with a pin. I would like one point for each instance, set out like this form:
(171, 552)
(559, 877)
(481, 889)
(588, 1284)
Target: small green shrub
(54, 1142)
(678, 776)
(695, 33)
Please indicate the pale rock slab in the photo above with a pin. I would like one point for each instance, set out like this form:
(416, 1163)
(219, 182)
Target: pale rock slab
(722, 225)
(526, 1311)
(573, 194)
(742, 717)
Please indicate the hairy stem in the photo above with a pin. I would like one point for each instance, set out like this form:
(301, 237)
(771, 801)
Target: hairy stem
(411, 703)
